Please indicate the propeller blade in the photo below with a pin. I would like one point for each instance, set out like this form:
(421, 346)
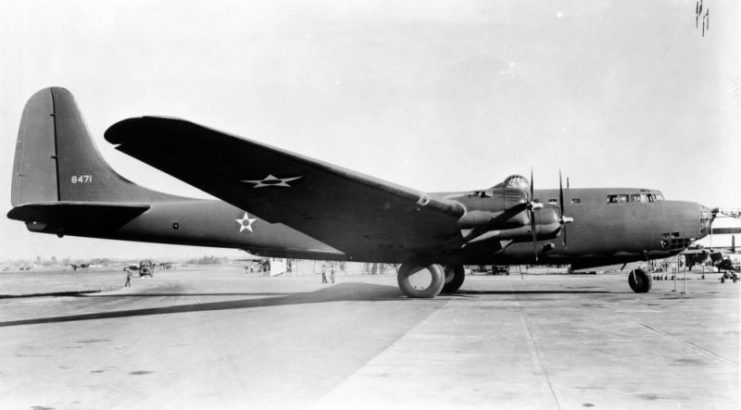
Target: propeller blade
(563, 207)
(531, 213)
(532, 185)
(535, 236)
(564, 237)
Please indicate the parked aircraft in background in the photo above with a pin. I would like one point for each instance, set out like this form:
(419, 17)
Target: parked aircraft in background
(82, 266)
(725, 234)
(277, 203)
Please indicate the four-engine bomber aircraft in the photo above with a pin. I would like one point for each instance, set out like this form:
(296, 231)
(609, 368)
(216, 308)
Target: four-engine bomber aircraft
(277, 203)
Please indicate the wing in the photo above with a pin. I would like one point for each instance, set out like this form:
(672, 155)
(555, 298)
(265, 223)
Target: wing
(352, 212)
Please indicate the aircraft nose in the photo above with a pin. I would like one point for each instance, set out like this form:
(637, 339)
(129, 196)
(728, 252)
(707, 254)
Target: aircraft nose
(707, 216)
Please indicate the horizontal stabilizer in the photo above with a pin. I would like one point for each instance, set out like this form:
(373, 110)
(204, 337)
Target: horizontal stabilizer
(76, 218)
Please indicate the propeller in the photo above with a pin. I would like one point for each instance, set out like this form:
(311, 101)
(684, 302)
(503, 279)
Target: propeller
(531, 207)
(564, 219)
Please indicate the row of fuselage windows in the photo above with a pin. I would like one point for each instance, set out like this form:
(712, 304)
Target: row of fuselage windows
(644, 197)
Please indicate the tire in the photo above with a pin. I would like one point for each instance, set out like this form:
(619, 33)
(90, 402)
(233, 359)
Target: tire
(639, 281)
(427, 290)
(454, 277)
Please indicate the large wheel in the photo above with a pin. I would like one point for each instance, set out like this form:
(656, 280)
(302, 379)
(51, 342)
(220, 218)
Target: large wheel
(421, 281)
(639, 281)
(454, 276)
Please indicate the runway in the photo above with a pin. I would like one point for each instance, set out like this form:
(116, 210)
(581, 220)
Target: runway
(220, 338)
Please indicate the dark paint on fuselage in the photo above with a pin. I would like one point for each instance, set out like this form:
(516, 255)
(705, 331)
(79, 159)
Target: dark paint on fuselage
(61, 185)
(601, 233)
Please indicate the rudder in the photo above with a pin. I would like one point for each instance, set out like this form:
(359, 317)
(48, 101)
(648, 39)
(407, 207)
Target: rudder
(56, 159)
(34, 168)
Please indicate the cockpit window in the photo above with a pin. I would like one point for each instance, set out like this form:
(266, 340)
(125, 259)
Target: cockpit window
(634, 198)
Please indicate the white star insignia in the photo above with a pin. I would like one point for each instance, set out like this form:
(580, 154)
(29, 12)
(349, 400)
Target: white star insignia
(271, 180)
(246, 223)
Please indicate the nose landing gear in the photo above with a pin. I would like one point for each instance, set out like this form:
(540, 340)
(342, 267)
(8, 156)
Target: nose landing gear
(639, 281)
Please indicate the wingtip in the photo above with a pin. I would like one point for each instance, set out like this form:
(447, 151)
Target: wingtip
(119, 132)
(116, 133)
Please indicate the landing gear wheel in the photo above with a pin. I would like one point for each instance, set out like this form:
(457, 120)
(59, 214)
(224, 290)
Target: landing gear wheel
(421, 281)
(454, 276)
(639, 281)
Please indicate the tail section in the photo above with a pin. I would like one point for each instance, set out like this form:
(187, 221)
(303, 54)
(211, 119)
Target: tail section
(35, 167)
(61, 184)
(56, 159)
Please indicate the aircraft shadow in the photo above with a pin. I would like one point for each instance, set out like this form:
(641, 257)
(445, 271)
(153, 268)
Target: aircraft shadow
(185, 294)
(340, 292)
(528, 292)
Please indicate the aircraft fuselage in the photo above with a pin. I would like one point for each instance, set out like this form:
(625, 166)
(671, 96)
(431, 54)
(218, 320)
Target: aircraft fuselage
(602, 232)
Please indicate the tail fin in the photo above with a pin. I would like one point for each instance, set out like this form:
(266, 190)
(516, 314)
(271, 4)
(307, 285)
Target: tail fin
(56, 160)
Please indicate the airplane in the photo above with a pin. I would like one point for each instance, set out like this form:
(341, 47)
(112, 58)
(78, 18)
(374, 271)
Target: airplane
(275, 203)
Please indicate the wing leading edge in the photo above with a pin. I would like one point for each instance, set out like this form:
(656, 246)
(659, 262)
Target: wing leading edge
(355, 213)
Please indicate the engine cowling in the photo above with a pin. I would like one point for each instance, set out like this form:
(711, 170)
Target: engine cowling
(515, 227)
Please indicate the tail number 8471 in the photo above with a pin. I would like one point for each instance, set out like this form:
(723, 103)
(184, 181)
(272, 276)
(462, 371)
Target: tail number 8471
(81, 179)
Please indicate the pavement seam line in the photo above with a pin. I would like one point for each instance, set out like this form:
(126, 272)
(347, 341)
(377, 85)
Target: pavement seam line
(694, 345)
(535, 349)
(536, 355)
(390, 346)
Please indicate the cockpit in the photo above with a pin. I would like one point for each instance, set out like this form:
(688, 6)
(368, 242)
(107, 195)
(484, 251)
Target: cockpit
(514, 181)
(518, 182)
(643, 196)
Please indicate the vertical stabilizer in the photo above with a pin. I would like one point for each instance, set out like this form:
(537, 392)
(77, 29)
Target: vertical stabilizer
(56, 159)
(35, 166)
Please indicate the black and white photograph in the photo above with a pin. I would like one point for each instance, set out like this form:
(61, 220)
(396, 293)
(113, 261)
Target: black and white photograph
(371, 204)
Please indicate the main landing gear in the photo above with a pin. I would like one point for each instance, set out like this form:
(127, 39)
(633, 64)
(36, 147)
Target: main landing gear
(639, 281)
(419, 280)
(454, 276)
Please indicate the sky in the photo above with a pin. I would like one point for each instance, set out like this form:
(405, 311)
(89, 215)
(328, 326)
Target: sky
(433, 95)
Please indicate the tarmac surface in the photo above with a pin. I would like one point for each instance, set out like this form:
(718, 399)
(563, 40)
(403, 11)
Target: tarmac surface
(220, 338)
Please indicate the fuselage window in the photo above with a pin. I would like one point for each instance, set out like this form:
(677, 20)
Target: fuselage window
(623, 198)
(659, 196)
(650, 197)
(575, 201)
(635, 197)
(553, 201)
(612, 199)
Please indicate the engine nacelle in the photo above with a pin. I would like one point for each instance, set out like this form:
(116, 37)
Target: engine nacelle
(547, 226)
(492, 220)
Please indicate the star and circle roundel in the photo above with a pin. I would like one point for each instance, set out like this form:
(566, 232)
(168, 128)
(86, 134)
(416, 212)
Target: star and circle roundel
(272, 181)
(245, 223)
